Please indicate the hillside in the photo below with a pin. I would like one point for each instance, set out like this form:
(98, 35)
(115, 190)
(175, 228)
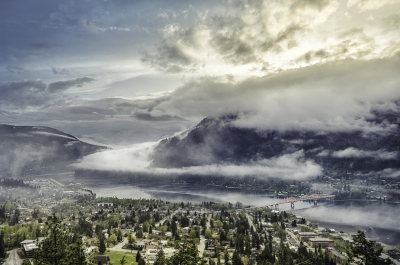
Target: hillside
(217, 140)
(29, 150)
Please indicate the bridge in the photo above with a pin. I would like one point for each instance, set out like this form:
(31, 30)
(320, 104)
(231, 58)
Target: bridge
(312, 197)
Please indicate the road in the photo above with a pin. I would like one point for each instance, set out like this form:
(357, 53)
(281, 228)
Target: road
(202, 243)
(13, 258)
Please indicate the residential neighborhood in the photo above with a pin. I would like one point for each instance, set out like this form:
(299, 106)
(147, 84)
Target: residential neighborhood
(149, 231)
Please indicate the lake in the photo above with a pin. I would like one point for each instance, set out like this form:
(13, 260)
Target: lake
(379, 219)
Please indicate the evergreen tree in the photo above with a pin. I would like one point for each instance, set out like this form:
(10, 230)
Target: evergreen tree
(76, 253)
(187, 254)
(138, 256)
(141, 262)
(160, 258)
(366, 250)
(131, 240)
(55, 249)
(102, 245)
(236, 260)
(226, 257)
(2, 247)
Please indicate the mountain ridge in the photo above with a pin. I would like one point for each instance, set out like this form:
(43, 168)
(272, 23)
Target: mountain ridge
(29, 150)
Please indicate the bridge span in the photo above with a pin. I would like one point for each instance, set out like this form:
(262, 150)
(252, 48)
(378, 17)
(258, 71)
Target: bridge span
(292, 200)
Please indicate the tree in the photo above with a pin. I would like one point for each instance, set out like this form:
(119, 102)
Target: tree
(113, 239)
(76, 253)
(208, 233)
(131, 240)
(138, 256)
(102, 245)
(160, 258)
(236, 260)
(366, 250)
(187, 254)
(2, 247)
(53, 249)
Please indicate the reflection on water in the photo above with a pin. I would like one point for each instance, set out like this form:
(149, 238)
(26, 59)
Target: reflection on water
(379, 220)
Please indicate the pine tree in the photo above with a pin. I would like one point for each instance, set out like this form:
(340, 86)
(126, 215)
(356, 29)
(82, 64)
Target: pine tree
(138, 256)
(53, 249)
(2, 247)
(102, 245)
(76, 253)
(160, 258)
(187, 254)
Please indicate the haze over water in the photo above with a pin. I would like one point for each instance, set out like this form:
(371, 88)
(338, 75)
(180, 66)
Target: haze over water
(378, 219)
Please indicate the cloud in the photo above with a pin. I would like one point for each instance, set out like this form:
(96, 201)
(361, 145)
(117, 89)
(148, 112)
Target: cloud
(365, 5)
(64, 85)
(15, 69)
(382, 216)
(355, 153)
(392, 22)
(23, 157)
(331, 97)
(245, 34)
(387, 172)
(172, 54)
(352, 43)
(25, 93)
(59, 71)
(138, 159)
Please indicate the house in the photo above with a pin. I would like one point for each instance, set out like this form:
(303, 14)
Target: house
(103, 260)
(151, 254)
(29, 247)
(305, 236)
(323, 242)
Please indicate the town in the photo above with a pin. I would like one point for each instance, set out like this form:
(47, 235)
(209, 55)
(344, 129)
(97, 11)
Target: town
(85, 229)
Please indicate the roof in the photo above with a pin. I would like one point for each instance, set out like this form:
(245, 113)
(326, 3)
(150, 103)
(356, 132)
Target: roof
(321, 239)
(30, 247)
(103, 259)
(307, 234)
(27, 241)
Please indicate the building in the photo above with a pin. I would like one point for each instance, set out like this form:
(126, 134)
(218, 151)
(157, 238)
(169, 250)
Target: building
(104, 260)
(305, 236)
(151, 255)
(323, 242)
(29, 247)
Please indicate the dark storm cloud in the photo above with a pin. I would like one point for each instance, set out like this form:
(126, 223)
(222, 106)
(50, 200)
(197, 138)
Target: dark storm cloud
(169, 58)
(15, 69)
(59, 71)
(153, 116)
(64, 85)
(25, 93)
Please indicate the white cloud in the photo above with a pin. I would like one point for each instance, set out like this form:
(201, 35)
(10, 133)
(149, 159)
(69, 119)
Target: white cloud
(365, 5)
(356, 153)
(137, 159)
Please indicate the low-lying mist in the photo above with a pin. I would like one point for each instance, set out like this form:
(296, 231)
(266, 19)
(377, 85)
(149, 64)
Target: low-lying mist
(137, 158)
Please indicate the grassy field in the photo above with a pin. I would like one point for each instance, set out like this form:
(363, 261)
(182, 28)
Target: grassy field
(116, 256)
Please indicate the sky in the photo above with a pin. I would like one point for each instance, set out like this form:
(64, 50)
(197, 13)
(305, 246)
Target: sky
(128, 72)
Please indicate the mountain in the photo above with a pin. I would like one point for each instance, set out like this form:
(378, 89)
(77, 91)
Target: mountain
(30, 150)
(217, 140)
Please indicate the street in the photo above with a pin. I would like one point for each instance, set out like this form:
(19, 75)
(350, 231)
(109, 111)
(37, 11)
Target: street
(13, 258)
